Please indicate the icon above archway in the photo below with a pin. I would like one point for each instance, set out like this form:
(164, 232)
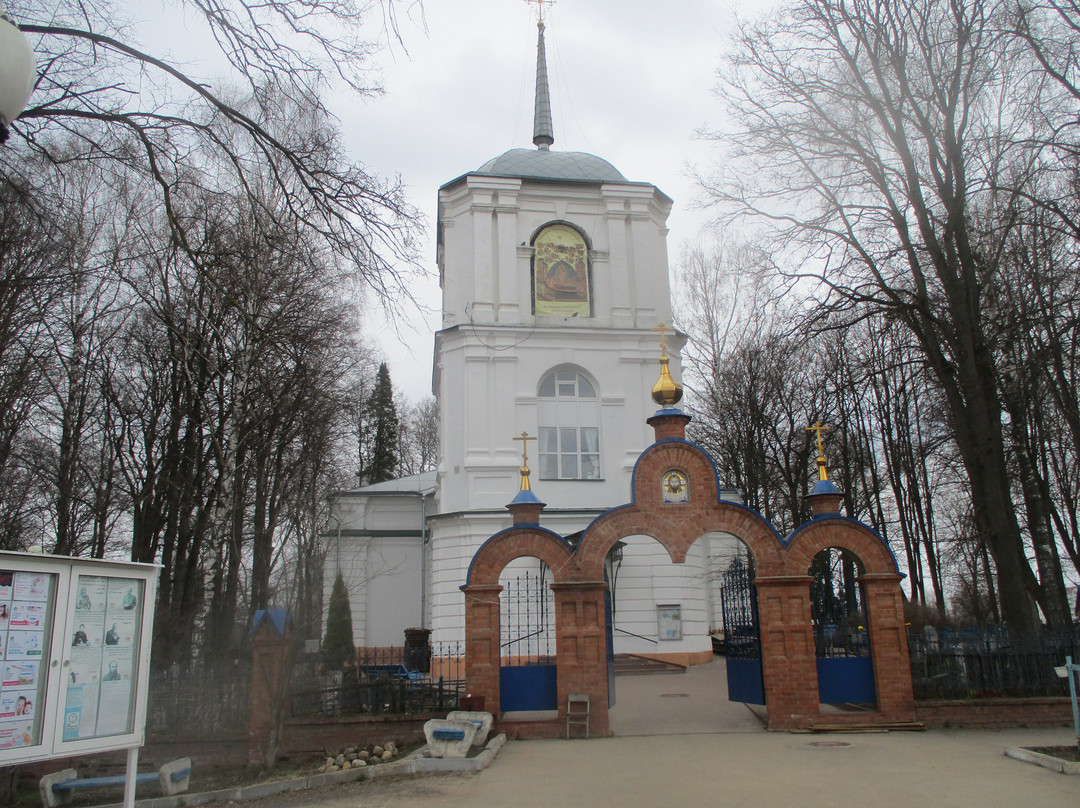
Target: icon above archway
(675, 487)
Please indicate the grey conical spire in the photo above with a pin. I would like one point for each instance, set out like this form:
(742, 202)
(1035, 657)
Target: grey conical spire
(543, 131)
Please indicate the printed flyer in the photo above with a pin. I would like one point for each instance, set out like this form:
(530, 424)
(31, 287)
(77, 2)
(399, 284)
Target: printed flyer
(31, 586)
(18, 733)
(25, 644)
(17, 703)
(27, 614)
(19, 674)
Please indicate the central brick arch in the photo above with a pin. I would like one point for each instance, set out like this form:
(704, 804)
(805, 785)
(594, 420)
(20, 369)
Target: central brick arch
(676, 522)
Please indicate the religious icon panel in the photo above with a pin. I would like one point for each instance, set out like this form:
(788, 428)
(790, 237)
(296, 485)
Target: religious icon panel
(561, 273)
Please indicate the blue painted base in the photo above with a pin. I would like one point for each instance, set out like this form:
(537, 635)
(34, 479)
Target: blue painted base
(528, 687)
(745, 681)
(846, 680)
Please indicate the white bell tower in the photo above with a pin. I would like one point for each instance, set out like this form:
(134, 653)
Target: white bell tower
(554, 273)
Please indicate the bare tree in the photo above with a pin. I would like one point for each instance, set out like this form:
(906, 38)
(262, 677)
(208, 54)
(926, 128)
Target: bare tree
(133, 111)
(418, 436)
(882, 142)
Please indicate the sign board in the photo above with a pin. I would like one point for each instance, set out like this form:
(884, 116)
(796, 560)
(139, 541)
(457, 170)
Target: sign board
(74, 655)
(669, 621)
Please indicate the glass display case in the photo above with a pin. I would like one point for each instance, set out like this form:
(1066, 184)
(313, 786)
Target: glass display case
(74, 653)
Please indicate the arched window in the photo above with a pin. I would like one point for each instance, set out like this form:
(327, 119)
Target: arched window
(569, 427)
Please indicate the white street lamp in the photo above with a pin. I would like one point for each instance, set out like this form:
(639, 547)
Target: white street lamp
(17, 72)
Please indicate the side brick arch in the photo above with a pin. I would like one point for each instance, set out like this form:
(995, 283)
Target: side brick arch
(880, 580)
(838, 531)
(518, 542)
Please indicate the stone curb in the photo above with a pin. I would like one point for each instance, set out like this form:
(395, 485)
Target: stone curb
(427, 765)
(1046, 761)
(413, 763)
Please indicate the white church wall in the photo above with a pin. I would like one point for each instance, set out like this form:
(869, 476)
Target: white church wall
(487, 227)
(394, 514)
(348, 555)
(648, 579)
(454, 541)
(393, 589)
(383, 573)
(480, 465)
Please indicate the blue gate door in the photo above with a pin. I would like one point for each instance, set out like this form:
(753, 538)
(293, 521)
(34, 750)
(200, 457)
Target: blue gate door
(527, 671)
(844, 666)
(742, 636)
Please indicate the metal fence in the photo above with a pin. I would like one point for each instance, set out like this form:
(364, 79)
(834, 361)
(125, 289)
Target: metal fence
(385, 683)
(199, 700)
(989, 663)
(527, 619)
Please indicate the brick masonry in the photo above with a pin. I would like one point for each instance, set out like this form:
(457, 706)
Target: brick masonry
(996, 713)
(783, 585)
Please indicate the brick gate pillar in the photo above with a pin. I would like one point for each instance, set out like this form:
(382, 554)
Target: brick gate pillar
(787, 651)
(271, 638)
(482, 653)
(888, 645)
(581, 642)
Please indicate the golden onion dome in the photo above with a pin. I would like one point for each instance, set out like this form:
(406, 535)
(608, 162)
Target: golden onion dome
(666, 392)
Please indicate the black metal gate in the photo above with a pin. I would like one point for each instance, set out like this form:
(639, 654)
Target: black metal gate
(841, 639)
(742, 635)
(527, 671)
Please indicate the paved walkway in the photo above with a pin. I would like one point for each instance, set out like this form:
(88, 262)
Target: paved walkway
(705, 751)
(690, 703)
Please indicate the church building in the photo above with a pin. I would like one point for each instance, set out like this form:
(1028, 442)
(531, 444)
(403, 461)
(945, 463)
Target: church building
(554, 275)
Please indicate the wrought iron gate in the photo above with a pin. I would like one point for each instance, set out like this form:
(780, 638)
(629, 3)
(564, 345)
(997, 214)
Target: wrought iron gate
(844, 666)
(527, 668)
(609, 638)
(742, 636)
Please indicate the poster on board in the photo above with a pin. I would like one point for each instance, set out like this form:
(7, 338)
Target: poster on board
(26, 606)
(105, 628)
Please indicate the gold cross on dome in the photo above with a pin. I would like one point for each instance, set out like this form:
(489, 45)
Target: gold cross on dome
(663, 345)
(523, 437)
(817, 427)
(540, 16)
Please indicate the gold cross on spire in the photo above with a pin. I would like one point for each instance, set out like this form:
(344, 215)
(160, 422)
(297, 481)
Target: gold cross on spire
(540, 16)
(524, 437)
(823, 473)
(663, 345)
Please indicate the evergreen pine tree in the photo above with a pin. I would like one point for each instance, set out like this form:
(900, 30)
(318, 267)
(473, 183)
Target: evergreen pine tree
(382, 422)
(338, 651)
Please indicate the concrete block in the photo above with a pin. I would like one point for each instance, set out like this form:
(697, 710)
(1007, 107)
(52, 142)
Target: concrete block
(165, 773)
(440, 748)
(483, 721)
(49, 798)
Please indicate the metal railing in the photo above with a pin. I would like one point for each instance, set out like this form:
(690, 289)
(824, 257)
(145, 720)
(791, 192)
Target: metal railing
(989, 663)
(200, 700)
(383, 683)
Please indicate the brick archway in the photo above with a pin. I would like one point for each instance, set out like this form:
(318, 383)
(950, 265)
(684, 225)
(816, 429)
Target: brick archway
(783, 584)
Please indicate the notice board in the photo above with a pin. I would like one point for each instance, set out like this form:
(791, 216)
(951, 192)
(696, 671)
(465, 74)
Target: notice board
(75, 639)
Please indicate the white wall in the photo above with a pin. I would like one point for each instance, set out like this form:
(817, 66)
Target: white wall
(394, 589)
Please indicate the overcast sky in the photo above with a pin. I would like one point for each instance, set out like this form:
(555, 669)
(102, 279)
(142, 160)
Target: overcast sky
(631, 80)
